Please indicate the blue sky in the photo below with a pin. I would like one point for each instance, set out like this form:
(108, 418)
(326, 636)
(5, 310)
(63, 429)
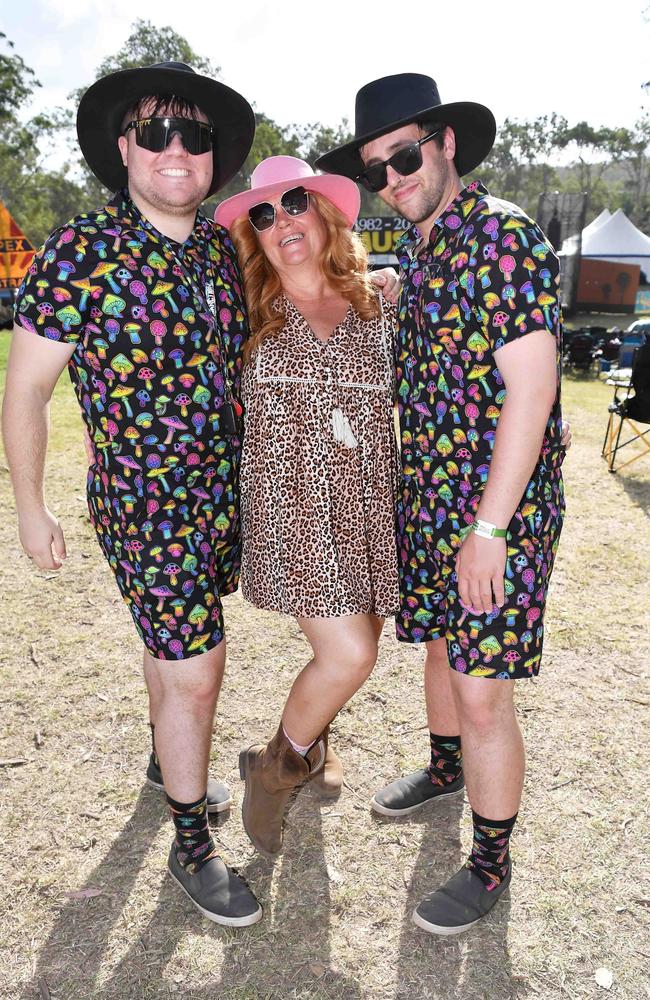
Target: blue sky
(300, 61)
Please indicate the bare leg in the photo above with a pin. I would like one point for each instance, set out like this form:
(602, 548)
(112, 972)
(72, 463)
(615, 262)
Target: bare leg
(154, 686)
(345, 651)
(188, 692)
(442, 716)
(493, 749)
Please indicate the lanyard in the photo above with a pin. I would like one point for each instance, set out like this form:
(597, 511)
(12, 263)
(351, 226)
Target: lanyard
(208, 299)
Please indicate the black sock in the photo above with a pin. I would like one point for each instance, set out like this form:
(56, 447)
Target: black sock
(153, 744)
(194, 845)
(446, 759)
(490, 857)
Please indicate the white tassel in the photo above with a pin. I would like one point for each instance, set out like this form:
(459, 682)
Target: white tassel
(341, 429)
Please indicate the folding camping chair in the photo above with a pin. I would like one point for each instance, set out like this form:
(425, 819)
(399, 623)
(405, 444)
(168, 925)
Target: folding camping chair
(632, 410)
(580, 352)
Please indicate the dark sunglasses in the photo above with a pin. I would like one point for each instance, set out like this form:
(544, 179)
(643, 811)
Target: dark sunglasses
(404, 161)
(293, 202)
(155, 134)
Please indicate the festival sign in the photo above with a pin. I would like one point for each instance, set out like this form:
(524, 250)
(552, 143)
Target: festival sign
(379, 235)
(607, 286)
(16, 251)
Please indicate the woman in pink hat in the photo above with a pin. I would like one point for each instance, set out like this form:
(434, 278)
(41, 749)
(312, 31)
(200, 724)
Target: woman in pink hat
(319, 465)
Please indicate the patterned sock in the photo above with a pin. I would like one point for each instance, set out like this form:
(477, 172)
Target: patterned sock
(194, 845)
(446, 759)
(153, 744)
(490, 857)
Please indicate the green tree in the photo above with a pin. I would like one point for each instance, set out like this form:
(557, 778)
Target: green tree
(148, 44)
(36, 198)
(270, 140)
(17, 83)
(635, 162)
(520, 164)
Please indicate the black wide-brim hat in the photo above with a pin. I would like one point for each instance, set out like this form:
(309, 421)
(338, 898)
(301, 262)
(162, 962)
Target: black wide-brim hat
(103, 106)
(393, 101)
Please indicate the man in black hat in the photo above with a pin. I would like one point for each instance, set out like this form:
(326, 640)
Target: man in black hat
(480, 510)
(143, 301)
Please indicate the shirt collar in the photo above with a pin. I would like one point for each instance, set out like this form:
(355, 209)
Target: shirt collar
(409, 243)
(125, 209)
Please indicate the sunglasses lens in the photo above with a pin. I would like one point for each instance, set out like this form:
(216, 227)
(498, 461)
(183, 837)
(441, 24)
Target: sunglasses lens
(374, 178)
(196, 136)
(295, 201)
(407, 160)
(151, 134)
(404, 162)
(155, 134)
(262, 216)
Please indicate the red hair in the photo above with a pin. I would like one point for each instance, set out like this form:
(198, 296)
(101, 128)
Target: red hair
(344, 265)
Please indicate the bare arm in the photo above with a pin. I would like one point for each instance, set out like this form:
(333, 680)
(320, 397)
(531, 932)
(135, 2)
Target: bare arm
(33, 369)
(528, 367)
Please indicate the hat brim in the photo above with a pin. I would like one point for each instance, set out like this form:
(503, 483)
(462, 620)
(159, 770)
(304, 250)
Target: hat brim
(473, 124)
(103, 106)
(341, 191)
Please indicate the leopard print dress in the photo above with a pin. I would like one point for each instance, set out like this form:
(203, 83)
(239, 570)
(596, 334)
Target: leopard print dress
(317, 491)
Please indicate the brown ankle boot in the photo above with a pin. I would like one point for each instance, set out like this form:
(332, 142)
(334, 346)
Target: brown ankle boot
(271, 773)
(328, 777)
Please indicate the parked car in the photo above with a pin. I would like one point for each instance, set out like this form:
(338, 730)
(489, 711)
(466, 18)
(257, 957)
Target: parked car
(639, 326)
(6, 308)
(636, 334)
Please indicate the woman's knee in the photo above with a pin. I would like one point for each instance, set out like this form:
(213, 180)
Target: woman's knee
(359, 657)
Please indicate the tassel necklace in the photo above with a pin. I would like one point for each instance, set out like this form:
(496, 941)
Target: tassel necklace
(341, 429)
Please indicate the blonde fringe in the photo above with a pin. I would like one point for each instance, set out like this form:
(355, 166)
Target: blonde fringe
(344, 265)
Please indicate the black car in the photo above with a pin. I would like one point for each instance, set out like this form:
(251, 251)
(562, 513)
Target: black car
(7, 296)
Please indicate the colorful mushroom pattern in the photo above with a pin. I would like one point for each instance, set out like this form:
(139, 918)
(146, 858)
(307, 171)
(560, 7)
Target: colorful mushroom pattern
(487, 276)
(149, 372)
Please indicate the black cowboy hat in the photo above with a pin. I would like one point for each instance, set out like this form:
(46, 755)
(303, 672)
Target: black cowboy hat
(103, 106)
(385, 105)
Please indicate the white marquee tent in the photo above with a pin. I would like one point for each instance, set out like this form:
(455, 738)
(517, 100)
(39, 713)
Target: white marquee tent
(597, 223)
(619, 240)
(613, 237)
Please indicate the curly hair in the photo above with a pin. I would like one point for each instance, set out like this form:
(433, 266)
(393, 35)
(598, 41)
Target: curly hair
(344, 264)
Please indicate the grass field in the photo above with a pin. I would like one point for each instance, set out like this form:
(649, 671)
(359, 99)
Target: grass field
(88, 911)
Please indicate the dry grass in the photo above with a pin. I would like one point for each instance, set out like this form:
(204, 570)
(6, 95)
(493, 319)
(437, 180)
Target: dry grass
(76, 814)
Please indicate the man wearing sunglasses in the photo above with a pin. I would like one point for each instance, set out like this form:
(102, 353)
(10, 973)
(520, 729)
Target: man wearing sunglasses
(480, 512)
(142, 300)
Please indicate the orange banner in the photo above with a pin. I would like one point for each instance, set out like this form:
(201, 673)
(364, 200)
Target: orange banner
(16, 251)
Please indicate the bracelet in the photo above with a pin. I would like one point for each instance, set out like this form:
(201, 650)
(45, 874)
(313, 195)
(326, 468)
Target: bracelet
(484, 529)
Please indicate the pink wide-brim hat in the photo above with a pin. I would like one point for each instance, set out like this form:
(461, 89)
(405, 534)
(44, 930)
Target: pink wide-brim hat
(278, 174)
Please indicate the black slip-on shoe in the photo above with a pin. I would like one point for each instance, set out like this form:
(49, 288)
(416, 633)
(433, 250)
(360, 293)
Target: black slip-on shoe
(218, 794)
(459, 904)
(218, 892)
(410, 793)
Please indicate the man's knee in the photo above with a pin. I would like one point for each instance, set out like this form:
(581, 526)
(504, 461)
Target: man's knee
(195, 681)
(436, 658)
(483, 704)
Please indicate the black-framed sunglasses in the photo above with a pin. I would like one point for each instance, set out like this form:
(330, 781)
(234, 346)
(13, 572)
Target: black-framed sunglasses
(155, 134)
(404, 161)
(293, 202)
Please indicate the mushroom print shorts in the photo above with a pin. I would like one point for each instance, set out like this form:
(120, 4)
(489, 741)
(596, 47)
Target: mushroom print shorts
(506, 644)
(173, 546)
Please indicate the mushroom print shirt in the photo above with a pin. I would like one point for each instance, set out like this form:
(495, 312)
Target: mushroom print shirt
(152, 348)
(486, 277)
